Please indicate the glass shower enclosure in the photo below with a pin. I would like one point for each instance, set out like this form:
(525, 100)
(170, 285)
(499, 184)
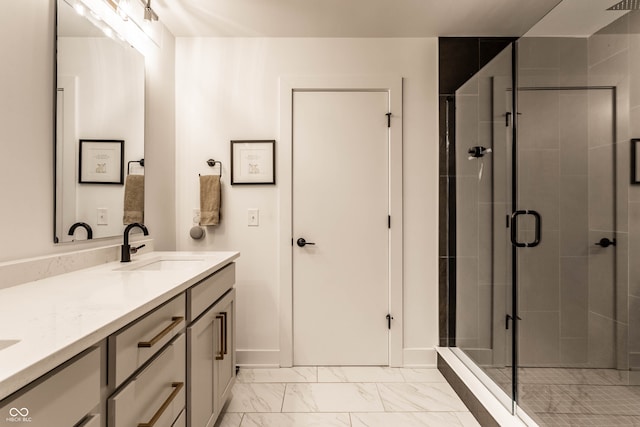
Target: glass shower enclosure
(547, 222)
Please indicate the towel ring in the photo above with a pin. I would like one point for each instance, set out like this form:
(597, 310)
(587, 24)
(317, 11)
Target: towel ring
(141, 161)
(212, 163)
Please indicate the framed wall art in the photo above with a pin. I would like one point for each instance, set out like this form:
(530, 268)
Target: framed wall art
(101, 161)
(253, 162)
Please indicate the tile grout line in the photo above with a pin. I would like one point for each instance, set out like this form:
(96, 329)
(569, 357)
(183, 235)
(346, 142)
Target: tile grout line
(384, 408)
(284, 394)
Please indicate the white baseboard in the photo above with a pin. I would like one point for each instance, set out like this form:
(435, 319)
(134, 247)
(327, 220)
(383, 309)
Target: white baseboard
(258, 358)
(412, 358)
(420, 358)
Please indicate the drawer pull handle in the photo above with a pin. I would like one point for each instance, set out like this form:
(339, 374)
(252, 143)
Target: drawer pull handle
(176, 389)
(175, 322)
(220, 354)
(224, 331)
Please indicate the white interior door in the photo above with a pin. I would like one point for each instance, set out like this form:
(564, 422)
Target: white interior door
(341, 204)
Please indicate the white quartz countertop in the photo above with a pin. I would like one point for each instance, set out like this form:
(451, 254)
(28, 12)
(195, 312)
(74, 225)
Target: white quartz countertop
(58, 317)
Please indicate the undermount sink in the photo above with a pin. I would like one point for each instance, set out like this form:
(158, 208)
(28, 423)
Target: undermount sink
(7, 343)
(162, 264)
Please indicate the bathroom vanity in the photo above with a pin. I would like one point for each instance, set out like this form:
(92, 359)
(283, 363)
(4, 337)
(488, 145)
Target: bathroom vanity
(146, 343)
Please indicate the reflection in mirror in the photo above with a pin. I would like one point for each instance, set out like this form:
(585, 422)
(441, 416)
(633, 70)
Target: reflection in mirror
(100, 97)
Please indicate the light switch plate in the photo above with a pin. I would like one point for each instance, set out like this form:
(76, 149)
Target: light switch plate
(103, 216)
(253, 219)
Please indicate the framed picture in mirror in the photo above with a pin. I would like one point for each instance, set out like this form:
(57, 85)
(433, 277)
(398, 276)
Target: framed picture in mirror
(101, 161)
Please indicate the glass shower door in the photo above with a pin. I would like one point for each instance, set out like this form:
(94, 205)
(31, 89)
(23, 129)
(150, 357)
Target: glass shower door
(564, 233)
(483, 136)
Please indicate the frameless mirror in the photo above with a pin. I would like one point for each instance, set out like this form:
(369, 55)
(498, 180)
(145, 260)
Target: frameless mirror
(99, 126)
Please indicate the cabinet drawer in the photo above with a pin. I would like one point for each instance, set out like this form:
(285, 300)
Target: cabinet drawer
(156, 395)
(181, 421)
(205, 293)
(62, 399)
(132, 346)
(91, 421)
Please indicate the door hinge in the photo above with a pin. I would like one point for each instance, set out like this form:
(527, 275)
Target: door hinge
(388, 119)
(507, 116)
(389, 221)
(389, 319)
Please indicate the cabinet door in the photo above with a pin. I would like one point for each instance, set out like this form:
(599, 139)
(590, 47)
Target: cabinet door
(225, 372)
(201, 337)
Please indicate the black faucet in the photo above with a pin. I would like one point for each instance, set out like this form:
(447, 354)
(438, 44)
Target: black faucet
(126, 249)
(83, 225)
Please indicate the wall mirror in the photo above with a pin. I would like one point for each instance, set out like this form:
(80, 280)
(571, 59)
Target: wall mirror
(99, 101)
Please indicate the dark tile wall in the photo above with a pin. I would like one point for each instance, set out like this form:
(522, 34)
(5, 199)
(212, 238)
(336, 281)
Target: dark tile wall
(459, 59)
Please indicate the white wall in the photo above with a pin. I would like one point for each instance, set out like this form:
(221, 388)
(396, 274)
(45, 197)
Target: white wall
(228, 89)
(27, 131)
(160, 144)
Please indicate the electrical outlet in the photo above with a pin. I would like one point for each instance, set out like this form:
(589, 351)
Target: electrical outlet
(196, 216)
(253, 218)
(103, 216)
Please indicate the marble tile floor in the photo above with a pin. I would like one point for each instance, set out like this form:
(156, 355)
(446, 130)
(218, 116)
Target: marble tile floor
(576, 397)
(344, 397)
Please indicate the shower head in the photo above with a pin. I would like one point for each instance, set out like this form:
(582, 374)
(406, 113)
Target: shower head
(478, 151)
(626, 5)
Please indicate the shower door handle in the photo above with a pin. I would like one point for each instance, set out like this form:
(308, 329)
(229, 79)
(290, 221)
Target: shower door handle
(514, 229)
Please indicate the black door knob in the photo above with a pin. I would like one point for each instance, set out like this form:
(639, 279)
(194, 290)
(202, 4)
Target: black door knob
(605, 243)
(302, 242)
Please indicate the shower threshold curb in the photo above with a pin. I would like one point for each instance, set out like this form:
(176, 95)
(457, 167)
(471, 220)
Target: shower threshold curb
(484, 406)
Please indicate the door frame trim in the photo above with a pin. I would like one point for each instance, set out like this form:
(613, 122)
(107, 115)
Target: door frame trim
(288, 84)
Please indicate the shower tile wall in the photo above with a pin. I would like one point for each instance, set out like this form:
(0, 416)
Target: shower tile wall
(459, 59)
(614, 59)
(566, 173)
(481, 205)
(599, 324)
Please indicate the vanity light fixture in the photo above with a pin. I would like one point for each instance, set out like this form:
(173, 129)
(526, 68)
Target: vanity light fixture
(149, 14)
(123, 9)
(121, 20)
(80, 10)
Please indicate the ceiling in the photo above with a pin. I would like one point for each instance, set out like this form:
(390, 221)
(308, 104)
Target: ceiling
(350, 18)
(576, 18)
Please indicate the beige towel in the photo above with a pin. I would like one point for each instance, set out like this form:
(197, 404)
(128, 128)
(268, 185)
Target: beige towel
(209, 199)
(133, 199)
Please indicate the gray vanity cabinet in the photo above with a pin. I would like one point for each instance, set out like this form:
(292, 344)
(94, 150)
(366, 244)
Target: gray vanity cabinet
(225, 367)
(67, 396)
(211, 347)
(147, 365)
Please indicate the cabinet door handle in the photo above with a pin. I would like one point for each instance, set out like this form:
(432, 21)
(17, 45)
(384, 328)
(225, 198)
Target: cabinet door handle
(176, 389)
(220, 354)
(175, 322)
(224, 330)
